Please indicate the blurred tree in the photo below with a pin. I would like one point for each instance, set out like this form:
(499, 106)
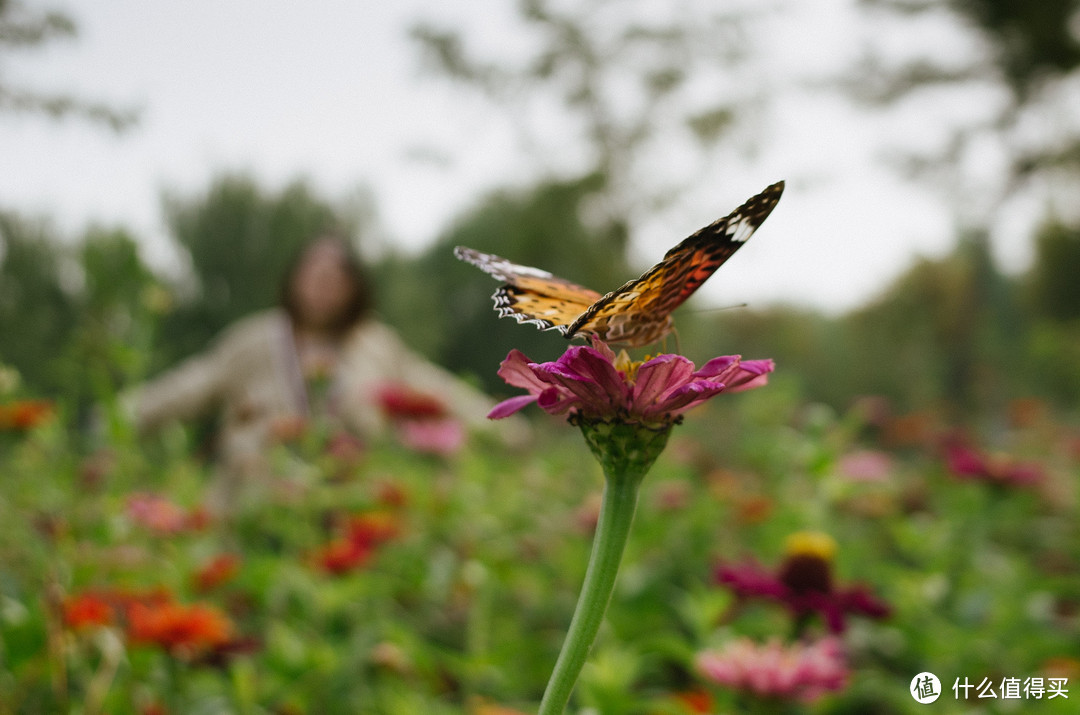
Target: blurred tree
(22, 28)
(443, 306)
(239, 239)
(607, 88)
(37, 310)
(942, 331)
(1053, 279)
(1030, 49)
(119, 305)
(1053, 294)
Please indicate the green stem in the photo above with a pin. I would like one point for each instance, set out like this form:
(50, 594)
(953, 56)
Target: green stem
(612, 529)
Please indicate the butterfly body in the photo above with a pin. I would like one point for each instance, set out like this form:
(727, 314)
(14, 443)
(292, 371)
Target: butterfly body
(639, 312)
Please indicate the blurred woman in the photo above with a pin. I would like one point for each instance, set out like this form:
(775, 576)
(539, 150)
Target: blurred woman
(320, 355)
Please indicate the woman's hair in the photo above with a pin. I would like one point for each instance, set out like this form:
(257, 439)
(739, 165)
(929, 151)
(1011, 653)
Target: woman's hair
(361, 302)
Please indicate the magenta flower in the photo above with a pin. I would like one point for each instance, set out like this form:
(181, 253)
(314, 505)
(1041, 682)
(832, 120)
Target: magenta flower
(804, 583)
(592, 383)
(966, 463)
(802, 671)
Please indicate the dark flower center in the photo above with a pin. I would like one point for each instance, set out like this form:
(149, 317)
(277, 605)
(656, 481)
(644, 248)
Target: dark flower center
(803, 573)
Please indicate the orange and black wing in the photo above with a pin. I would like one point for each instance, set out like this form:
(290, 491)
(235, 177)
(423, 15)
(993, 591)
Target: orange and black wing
(531, 295)
(639, 312)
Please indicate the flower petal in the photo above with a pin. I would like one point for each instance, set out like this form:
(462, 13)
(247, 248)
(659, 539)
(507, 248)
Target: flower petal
(683, 398)
(751, 374)
(510, 406)
(718, 367)
(571, 383)
(517, 370)
(556, 401)
(658, 377)
(591, 376)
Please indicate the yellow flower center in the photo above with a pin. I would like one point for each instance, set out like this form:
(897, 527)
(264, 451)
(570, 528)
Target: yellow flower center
(629, 367)
(626, 366)
(811, 543)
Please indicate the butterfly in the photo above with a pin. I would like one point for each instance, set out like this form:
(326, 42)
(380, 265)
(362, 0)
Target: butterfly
(639, 312)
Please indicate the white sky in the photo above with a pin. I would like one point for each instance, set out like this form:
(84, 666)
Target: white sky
(333, 91)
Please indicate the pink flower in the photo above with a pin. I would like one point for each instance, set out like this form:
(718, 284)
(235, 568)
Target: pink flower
(442, 437)
(163, 516)
(156, 513)
(594, 384)
(966, 463)
(802, 671)
(866, 465)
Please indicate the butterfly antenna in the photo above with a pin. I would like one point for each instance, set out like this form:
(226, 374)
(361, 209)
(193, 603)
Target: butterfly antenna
(722, 307)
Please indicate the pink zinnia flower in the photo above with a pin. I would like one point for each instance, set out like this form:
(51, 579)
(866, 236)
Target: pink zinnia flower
(802, 671)
(866, 465)
(156, 513)
(966, 463)
(164, 516)
(804, 583)
(592, 383)
(442, 437)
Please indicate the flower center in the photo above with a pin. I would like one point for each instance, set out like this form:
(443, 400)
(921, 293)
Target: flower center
(807, 564)
(810, 543)
(628, 367)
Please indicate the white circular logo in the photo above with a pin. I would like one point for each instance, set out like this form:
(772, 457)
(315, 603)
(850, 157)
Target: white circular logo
(925, 688)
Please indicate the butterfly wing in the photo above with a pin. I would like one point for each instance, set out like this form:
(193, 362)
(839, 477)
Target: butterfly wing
(530, 294)
(639, 312)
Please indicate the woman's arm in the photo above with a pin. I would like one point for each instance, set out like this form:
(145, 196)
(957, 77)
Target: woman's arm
(184, 392)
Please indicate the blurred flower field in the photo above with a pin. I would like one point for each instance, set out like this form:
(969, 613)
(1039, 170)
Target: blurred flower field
(784, 558)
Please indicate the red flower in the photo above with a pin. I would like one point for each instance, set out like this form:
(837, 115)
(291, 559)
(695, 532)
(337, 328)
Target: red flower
(86, 610)
(372, 528)
(804, 583)
(696, 701)
(24, 415)
(401, 402)
(182, 630)
(423, 422)
(967, 463)
(356, 546)
(342, 555)
(216, 571)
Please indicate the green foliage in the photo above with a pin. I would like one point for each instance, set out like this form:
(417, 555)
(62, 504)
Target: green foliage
(37, 313)
(81, 318)
(467, 603)
(1032, 39)
(1052, 284)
